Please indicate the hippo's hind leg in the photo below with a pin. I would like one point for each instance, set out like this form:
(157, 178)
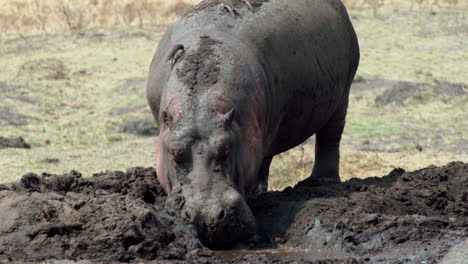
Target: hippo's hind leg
(327, 148)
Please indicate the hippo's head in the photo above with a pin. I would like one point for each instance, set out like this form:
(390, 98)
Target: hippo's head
(210, 144)
(200, 164)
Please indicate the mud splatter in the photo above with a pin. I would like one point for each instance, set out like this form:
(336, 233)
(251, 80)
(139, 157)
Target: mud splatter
(200, 68)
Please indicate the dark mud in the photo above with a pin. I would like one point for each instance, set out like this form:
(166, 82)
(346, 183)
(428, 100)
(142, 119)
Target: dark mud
(200, 68)
(403, 217)
(13, 142)
(112, 216)
(415, 217)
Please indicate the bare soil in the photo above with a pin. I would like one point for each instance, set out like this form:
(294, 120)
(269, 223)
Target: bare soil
(141, 127)
(13, 142)
(44, 69)
(10, 117)
(414, 217)
(402, 92)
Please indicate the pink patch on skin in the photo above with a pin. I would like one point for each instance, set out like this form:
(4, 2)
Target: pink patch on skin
(160, 165)
(219, 104)
(174, 108)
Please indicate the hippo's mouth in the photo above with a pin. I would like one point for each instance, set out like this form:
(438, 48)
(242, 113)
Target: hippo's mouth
(226, 233)
(235, 224)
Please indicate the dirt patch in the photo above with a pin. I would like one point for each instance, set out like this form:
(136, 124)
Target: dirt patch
(48, 69)
(16, 92)
(132, 108)
(403, 217)
(140, 127)
(414, 217)
(200, 68)
(8, 117)
(112, 216)
(16, 142)
(7, 88)
(403, 92)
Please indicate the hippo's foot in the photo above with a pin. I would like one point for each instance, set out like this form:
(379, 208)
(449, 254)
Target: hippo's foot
(324, 173)
(226, 4)
(262, 184)
(315, 181)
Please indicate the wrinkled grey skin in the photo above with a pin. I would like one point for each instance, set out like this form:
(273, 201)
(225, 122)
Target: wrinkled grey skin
(231, 90)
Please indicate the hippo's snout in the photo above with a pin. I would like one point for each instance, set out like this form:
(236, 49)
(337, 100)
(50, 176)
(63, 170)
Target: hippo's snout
(221, 218)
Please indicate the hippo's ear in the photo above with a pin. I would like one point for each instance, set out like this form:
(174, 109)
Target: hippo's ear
(229, 117)
(167, 119)
(176, 53)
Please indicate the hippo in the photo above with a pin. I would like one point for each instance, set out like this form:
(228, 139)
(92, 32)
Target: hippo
(234, 83)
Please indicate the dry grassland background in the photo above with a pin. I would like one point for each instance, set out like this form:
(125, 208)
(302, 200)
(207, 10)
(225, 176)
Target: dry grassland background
(73, 76)
(28, 16)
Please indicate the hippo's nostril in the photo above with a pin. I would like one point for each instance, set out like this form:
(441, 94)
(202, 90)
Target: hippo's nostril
(187, 216)
(221, 215)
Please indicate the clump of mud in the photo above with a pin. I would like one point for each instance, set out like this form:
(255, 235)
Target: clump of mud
(200, 68)
(47, 69)
(14, 142)
(405, 217)
(113, 216)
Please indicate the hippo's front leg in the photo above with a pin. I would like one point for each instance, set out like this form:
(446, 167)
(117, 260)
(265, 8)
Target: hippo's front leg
(327, 149)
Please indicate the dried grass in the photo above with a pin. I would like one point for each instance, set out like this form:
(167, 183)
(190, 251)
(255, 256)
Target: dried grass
(36, 16)
(52, 16)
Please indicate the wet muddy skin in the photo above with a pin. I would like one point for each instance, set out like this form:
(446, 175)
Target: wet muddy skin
(414, 217)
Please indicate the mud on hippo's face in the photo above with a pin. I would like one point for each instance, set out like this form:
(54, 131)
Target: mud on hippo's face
(199, 164)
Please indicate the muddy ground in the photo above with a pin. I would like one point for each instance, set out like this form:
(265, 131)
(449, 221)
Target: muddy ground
(414, 217)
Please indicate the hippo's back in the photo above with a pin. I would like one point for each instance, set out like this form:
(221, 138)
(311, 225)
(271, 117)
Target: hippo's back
(307, 48)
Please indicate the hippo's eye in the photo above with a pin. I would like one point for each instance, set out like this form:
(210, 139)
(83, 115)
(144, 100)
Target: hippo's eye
(177, 153)
(222, 152)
